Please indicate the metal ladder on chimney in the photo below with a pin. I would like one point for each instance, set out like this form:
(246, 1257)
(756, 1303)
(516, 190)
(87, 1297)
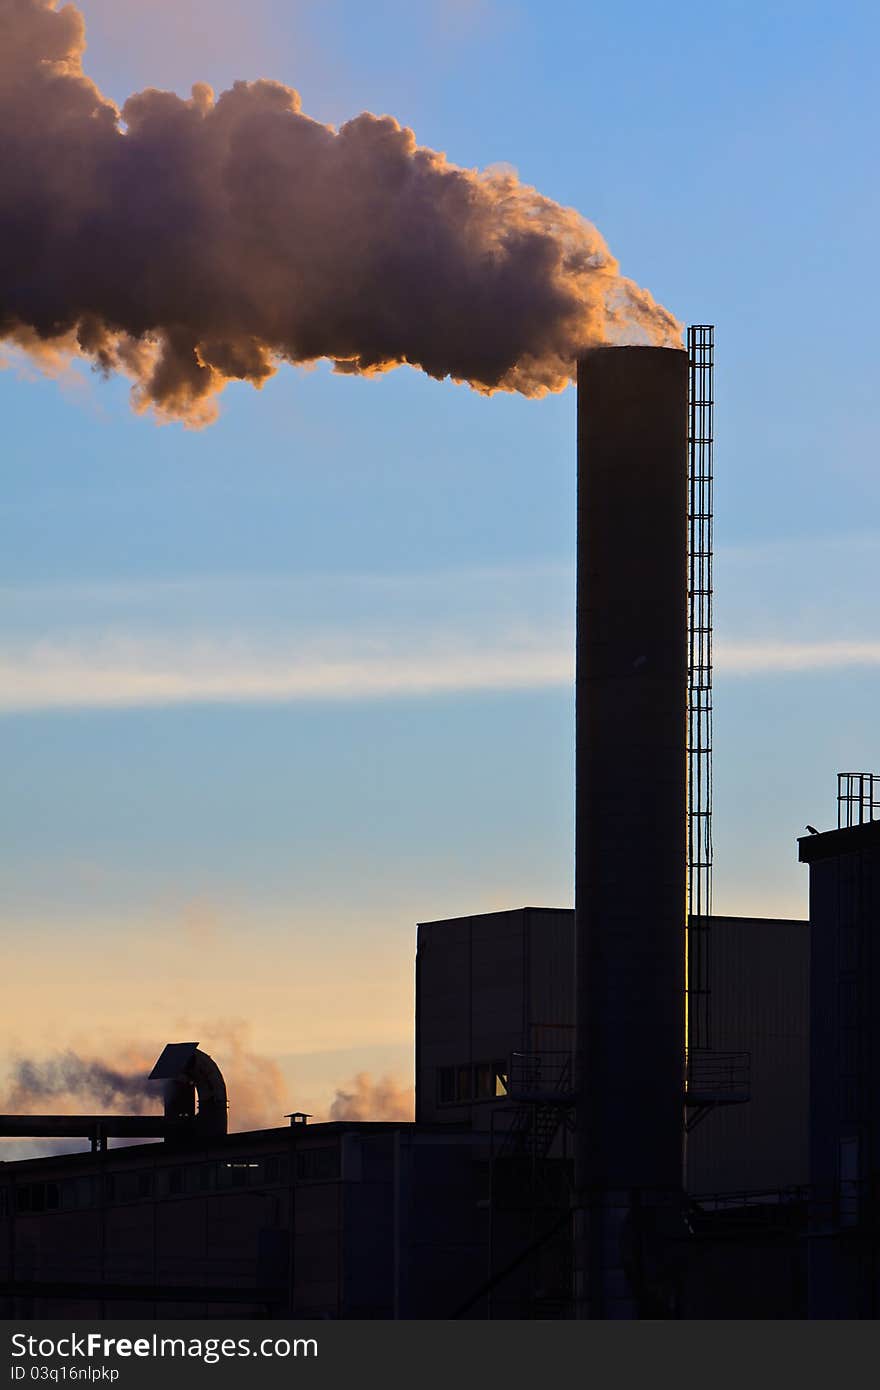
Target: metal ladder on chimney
(701, 404)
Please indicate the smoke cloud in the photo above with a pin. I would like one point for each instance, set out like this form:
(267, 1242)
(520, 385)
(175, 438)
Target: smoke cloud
(366, 1099)
(68, 1078)
(190, 243)
(256, 1085)
(70, 1082)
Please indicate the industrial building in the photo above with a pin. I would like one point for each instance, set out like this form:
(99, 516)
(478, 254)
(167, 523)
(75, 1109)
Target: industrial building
(632, 1109)
(467, 1211)
(500, 986)
(203, 1229)
(844, 870)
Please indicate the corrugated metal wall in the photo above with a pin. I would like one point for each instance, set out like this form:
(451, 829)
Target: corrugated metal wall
(759, 981)
(504, 981)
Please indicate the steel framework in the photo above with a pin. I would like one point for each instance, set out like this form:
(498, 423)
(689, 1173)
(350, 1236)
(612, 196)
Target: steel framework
(530, 1174)
(858, 798)
(701, 403)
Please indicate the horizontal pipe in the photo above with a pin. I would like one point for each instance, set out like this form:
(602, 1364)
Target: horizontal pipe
(85, 1126)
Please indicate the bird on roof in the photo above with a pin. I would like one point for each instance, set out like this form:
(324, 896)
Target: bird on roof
(812, 829)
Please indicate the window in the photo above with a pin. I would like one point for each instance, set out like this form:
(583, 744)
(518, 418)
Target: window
(235, 1172)
(172, 1181)
(76, 1194)
(484, 1081)
(848, 1171)
(445, 1085)
(38, 1196)
(128, 1187)
(318, 1165)
(239, 1172)
(198, 1177)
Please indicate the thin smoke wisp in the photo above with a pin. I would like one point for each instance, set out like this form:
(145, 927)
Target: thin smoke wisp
(368, 1098)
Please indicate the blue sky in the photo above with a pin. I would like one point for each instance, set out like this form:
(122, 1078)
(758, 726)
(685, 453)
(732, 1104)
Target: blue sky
(315, 660)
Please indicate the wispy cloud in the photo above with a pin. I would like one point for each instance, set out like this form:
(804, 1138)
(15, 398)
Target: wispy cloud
(769, 657)
(341, 637)
(116, 672)
(478, 587)
(309, 637)
(107, 673)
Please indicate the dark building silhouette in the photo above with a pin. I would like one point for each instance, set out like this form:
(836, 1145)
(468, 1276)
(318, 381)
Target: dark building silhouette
(171, 1230)
(466, 1212)
(500, 986)
(758, 981)
(845, 1069)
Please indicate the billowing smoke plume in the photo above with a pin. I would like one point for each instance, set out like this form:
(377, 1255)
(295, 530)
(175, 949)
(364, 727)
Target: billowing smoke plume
(366, 1099)
(256, 1086)
(67, 1078)
(69, 1082)
(192, 243)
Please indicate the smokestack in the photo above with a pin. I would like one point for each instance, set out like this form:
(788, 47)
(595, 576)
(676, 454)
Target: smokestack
(630, 838)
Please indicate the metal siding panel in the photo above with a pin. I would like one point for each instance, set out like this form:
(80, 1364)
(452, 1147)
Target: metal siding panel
(759, 979)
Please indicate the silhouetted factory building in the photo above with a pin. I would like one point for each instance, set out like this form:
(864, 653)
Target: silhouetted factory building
(439, 1218)
(170, 1230)
(501, 985)
(845, 1068)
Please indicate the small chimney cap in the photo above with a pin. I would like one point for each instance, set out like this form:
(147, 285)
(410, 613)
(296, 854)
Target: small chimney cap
(298, 1117)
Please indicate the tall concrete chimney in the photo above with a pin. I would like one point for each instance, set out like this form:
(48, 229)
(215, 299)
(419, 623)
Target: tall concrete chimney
(630, 837)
